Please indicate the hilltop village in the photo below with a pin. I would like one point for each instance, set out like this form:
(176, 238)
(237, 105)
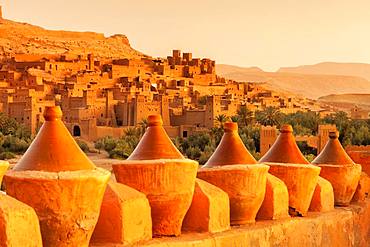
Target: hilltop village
(101, 96)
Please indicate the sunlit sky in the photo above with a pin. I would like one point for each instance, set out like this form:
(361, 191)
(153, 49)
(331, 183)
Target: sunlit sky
(265, 33)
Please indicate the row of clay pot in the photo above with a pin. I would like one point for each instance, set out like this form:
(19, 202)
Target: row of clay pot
(292, 181)
(158, 169)
(339, 175)
(159, 186)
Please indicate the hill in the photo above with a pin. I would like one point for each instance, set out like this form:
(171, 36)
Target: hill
(347, 100)
(309, 85)
(16, 38)
(331, 68)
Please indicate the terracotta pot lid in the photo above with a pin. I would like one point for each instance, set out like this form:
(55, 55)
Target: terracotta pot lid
(285, 149)
(231, 150)
(155, 143)
(333, 152)
(54, 149)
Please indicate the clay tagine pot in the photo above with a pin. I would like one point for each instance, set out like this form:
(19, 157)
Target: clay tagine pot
(58, 180)
(157, 169)
(285, 149)
(288, 164)
(339, 169)
(234, 170)
(231, 149)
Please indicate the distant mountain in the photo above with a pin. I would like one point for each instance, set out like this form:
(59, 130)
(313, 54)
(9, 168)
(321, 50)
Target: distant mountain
(331, 68)
(24, 38)
(233, 68)
(309, 85)
(347, 100)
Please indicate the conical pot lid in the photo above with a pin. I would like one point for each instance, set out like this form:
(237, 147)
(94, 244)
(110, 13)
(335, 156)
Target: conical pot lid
(333, 153)
(155, 143)
(231, 150)
(285, 149)
(54, 149)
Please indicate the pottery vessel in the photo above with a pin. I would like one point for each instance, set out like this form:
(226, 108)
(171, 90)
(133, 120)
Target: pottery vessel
(157, 169)
(245, 186)
(301, 181)
(231, 149)
(233, 169)
(58, 180)
(339, 169)
(288, 164)
(284, 149)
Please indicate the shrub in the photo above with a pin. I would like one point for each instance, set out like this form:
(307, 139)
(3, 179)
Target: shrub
(15, 145)
(7, 155)
(83, 145)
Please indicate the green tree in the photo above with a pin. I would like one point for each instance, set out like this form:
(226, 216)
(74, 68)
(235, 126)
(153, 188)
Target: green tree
(143, 125)
(83, 145)
(245, 115)
(220, 120)
(269, 116)
(7, 155)
(235, 119)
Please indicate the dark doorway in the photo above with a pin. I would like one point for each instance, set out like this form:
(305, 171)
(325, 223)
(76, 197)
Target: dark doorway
(76, 130)
(184, 134)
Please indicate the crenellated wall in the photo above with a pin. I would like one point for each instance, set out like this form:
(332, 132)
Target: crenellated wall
(345, 227)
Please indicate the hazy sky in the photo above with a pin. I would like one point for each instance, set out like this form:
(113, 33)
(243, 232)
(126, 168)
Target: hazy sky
(265, 33)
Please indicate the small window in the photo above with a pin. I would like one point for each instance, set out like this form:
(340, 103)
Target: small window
(185, 133)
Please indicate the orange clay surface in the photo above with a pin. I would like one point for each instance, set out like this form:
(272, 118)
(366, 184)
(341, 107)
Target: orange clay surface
(363, 158)
(323, 196)
(19, 225)
(157, 169)
(284, 149)
(363, 188)
(4, 165)
(231, 149)
(342, 227)
(169, 186)
(339, 169)
(276, 202)
(209, 210)
(300, 180)
(60, 183)
(124, 216)
(245, 185)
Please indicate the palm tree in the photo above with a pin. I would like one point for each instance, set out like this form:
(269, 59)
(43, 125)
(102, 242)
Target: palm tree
(245, 115)
(235, 118)
(342, 122)
(221, 119)
(131, 132)
(270, 116)
(143, 125)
